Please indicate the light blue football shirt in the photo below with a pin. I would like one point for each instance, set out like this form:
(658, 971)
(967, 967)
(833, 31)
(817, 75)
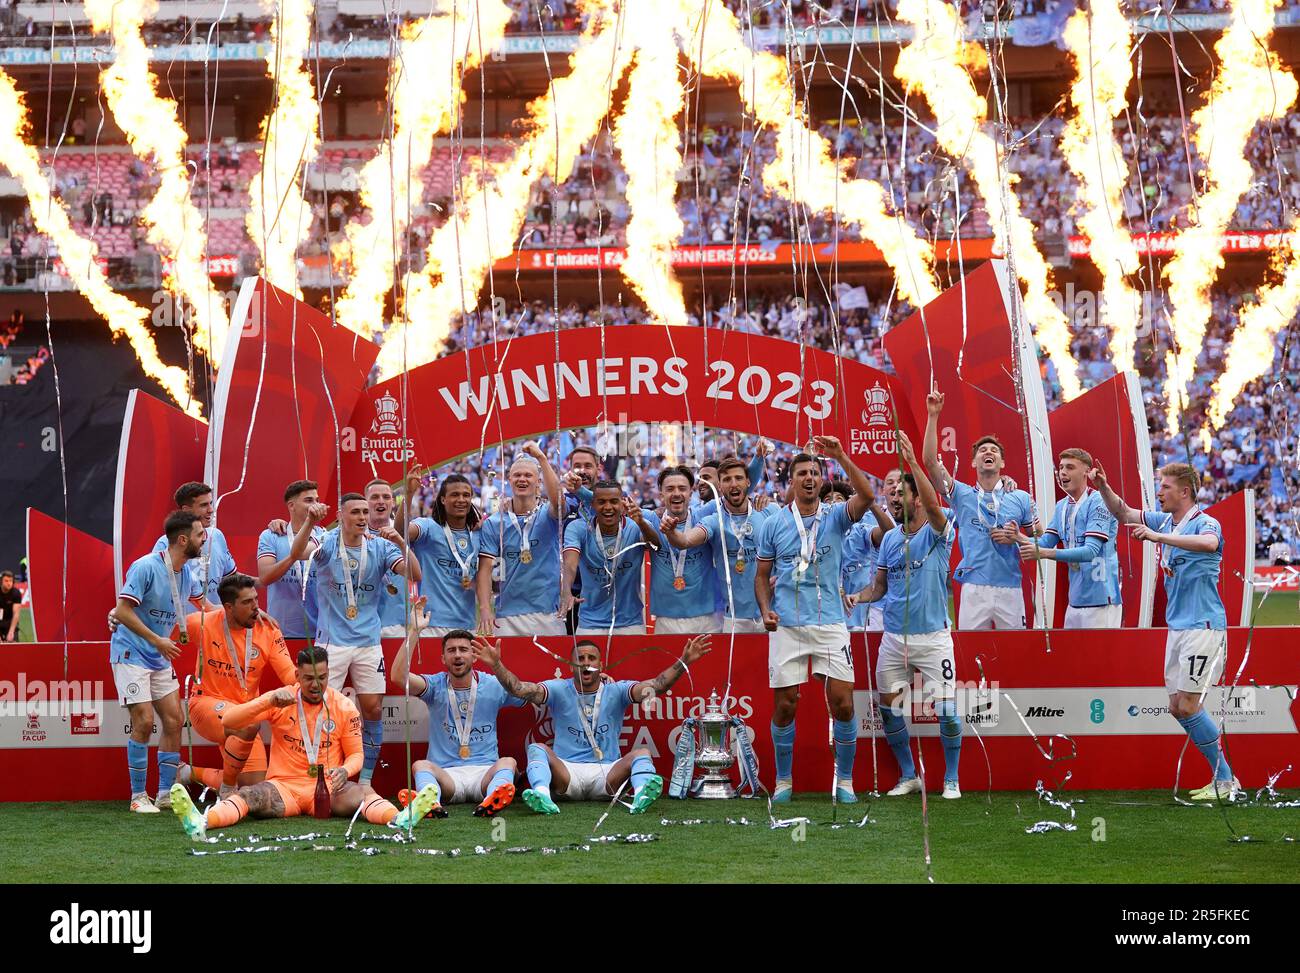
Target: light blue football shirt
(286, 600)
(571, 743)
(147, 585)
(1191, 578)
(813, 599)
(609, 587)
(333, 627)
(983, 561)
(450, 603)
(444, 742)
(916, 601)
(534, 586)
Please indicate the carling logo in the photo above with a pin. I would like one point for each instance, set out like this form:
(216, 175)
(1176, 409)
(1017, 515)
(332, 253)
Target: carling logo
(77, 927)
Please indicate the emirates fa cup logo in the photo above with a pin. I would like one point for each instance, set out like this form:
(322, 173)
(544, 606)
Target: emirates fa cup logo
(877, 411)
(387, 418)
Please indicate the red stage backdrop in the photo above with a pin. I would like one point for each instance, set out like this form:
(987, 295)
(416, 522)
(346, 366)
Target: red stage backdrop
(161, 448)
(87, 590)
(962, 343)
(1109, 422)
(1105, 694)
(632, 374)
(289, 381)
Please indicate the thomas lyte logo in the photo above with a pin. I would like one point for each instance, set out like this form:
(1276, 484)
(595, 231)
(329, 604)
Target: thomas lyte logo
(876, 434)
(76, 926)
(387, 418)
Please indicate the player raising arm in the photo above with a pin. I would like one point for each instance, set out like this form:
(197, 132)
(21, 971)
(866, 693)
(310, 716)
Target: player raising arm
(587, 713)
(912, 580)
(1190, 545)
(462, 761)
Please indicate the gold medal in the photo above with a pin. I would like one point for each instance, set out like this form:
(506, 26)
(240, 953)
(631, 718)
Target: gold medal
(352, 611)
(464, 751)
(526, 557)
(313, 770)
(596, 751)
(680, 585)
(465, 582)
(740, 565)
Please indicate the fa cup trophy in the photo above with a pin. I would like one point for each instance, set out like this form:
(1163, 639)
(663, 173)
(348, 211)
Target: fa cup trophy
(706, 742)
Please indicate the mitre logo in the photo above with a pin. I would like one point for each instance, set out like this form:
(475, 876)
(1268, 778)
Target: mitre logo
(387, 418)
(877, 411)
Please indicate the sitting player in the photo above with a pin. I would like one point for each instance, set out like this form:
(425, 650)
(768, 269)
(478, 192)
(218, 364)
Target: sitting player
(462, 761)
(587, 713)
(315, 731)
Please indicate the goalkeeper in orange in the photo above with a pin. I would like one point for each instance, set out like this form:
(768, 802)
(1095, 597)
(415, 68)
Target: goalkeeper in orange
(315, 734)
(235, 645)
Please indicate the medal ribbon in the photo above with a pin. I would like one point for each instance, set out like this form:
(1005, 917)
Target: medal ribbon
(462, 730)
(995, 496)
(589, 728)
(177, 605)
(678, 559)
(347, 573)
(525, 531)
(807, 540)
(311, 744)
(451, 545)
(234, 656)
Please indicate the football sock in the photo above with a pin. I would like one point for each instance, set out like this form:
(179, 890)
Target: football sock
(539, 769)
(372, 736)
(234, 754)
(137, 762)
(783, 746)
(168, 762)
(377, 810)
(643, 769)
(846, 747)
(1200, 727)
(503, 776)
(896, 736)
(950, 734)
(227, 811)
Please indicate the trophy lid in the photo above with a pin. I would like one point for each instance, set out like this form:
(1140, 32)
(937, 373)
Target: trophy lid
(713, 711)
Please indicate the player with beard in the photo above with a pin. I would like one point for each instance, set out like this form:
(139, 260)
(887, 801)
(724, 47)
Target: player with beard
(607, 554)
(683, 582)
(989, 518)
(447, 545)
(523, 536)
(315, 733)
(153, 600)
(708, 484)
(587, 713)
(462, 761)
(214, 562)
(1190, 545)
(858, 559)
(912, 581)
(236, 644)
(1082, 534)
(732, 536)
(797, 586)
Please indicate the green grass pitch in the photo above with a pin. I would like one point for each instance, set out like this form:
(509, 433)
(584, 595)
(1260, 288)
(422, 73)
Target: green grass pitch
(1147, 838)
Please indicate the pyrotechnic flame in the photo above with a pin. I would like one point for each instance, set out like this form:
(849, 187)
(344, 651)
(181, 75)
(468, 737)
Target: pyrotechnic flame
(78, 253)
(647, 139)
(803, 170)
(1251, 351)
(935, 63)
(279, 218)
(1250, 86)
(434, 51)
(1100, 46)
(172, 223)
(486, 222)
